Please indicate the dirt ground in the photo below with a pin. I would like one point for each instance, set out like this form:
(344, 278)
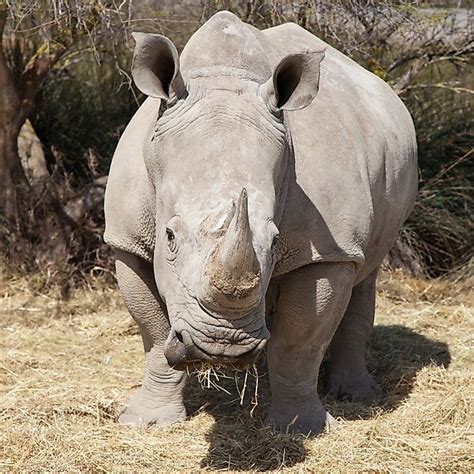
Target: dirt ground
(65, 368)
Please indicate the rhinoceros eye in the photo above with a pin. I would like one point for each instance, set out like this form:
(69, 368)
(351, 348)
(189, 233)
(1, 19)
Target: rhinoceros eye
(171, 240)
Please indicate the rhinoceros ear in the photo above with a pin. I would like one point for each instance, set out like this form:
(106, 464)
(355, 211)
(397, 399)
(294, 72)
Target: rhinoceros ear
(294, 82)
(155, 67)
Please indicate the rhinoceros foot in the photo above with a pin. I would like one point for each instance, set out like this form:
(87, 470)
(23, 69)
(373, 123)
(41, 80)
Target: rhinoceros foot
(141, 412)
(355, 387)
(315, 422)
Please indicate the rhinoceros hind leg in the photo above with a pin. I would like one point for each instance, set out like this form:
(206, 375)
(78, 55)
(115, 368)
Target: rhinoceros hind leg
(348, 374)
(311, 303)
(159, 401)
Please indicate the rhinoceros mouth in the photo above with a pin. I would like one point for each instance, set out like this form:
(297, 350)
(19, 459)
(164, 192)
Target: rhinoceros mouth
(185, 348)
(200, 335)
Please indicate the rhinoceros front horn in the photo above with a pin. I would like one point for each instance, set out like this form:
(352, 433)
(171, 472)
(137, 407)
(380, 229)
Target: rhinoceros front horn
(232, 272)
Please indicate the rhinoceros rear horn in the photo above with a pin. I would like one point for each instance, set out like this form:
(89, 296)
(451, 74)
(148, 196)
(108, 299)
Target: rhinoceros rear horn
(155, 68)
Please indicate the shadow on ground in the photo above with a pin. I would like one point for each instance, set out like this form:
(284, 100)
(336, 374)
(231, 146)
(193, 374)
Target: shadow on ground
(238, 440)
(395, 355)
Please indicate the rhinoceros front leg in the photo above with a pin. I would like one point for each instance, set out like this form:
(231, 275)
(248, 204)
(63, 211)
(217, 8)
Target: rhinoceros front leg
(311, 304)
(348, 375)
(159, 401)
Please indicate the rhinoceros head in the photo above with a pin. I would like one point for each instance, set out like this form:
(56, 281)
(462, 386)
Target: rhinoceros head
(217, 157)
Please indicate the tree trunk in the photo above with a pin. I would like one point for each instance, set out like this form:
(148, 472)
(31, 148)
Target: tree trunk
(15, 106)
(11, 172)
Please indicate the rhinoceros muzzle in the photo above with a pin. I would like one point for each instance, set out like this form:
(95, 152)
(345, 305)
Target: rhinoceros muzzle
(181, 350)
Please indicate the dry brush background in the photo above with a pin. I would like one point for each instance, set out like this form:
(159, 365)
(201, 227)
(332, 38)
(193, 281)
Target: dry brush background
(67, 97)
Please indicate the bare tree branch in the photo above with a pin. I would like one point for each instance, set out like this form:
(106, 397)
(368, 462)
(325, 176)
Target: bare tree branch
(441, 85)
(35, 73)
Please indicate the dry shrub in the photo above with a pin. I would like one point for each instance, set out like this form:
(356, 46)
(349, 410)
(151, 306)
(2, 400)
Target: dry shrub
(456, 287)
(49, 249)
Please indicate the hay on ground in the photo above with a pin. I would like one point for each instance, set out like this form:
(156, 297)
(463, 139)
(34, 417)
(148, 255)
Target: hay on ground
(66, 367)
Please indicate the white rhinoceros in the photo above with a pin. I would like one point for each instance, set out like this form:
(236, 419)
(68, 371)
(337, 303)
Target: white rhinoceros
(262, 182)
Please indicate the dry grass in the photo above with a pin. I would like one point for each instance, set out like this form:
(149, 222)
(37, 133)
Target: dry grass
(66, 366)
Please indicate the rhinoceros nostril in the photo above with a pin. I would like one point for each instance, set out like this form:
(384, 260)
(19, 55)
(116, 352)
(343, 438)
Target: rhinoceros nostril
(179, 337)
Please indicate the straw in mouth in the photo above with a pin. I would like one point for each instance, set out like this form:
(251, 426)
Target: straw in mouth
(211, 376)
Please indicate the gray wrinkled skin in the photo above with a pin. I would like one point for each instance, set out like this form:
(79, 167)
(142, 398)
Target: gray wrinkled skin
(261, 183)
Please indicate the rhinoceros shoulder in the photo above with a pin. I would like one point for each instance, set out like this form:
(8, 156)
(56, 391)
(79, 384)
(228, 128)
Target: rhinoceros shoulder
(354, 179)
(129, 209)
